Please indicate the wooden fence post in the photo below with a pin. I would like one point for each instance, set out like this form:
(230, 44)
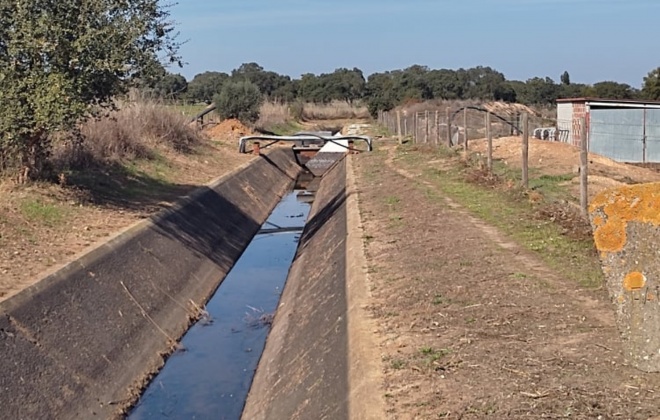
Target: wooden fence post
(525, 150)
(465, 131)
(437, 128)
(398, 126)
(489, 136)
(584, 167)
(448, 127)
(415, 128)
(426, 123)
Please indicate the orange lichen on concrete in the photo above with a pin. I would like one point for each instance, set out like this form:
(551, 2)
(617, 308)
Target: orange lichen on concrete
(634, 281)
(640, 203)
(610, 237)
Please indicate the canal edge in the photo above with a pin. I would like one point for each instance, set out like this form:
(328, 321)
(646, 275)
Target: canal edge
(365, 374)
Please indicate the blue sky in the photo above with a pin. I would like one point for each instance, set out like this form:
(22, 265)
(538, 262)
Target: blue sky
(594, 40)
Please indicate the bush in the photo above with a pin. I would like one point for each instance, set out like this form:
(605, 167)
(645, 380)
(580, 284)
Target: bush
(239, 99)
(134, 131)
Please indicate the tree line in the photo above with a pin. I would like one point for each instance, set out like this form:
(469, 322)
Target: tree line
(386, 90)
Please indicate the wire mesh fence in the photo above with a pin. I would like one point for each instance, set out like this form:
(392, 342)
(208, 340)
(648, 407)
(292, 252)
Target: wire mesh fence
(453, 126)
(458, 127)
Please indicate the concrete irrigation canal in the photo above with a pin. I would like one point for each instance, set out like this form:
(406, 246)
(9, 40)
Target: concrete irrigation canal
(257, 262)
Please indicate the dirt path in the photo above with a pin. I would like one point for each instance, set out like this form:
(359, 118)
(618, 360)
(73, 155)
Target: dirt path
(471, 326)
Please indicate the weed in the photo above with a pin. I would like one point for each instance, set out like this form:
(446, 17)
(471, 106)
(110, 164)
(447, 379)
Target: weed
(37, 211)
(437, 300)
(397, 364)
(392, 200)
(433, 355)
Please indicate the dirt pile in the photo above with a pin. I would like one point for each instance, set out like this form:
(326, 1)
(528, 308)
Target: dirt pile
(503, 108)
(231, 129)
(555, 158)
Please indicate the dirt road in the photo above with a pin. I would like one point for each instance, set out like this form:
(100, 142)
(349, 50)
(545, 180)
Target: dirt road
(472, 326)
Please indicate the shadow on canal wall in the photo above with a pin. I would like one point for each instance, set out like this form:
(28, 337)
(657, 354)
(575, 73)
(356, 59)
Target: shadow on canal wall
(83, 342)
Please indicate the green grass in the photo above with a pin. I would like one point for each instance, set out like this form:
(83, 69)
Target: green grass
(286, 128)
(574, 259)
(37, 211)
(551, 185)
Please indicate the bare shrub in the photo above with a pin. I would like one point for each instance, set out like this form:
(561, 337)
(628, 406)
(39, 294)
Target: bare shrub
(272, 114)
(131, 132)
(334, 111)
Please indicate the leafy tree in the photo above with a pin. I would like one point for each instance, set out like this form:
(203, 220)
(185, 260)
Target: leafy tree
(381, 92)
(483, 82)
(611, 90)
(62, 60)
(574, 90)
(171, 86)
(239, 99)
(565, 78)
(268, 82)
(204, 86)
(344, 84)
(537, 90)
(651, 85)
(445, 84)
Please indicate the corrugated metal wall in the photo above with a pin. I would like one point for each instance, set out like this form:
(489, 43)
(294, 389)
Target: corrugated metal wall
(617, 134)
(653, 135)
(625, 134)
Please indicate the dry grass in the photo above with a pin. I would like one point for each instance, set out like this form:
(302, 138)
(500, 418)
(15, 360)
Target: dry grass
(335, 110)
(134, 131)
(275, 116)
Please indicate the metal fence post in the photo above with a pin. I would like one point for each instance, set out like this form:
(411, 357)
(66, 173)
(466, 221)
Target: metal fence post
(584, 167)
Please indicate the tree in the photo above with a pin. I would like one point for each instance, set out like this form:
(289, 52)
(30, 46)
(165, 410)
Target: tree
(61, 60)
(611, 90)
(537, 90)
(381, 92)
(204, 86)
(651, 85)
(269, 83)
(239, 99)
(565, 78)
(345, 85)
(171, 86)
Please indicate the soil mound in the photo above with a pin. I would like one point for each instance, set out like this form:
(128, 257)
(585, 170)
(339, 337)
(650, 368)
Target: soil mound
(231, 129)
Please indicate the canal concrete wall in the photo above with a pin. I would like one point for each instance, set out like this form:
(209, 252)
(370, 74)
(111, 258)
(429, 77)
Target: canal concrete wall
(303, 372)
(82, 342)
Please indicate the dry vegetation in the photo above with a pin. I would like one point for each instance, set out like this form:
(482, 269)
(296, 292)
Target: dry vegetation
(275, 115)
(134, 131)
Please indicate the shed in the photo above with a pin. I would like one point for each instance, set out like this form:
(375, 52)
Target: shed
(623, 130)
